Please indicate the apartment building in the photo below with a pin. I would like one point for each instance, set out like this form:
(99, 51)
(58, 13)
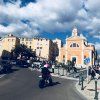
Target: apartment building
(8, 43)
(42, 47)
(78, 49)
(28, 42)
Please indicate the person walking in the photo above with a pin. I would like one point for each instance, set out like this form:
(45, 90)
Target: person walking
(53, 66)
(93, 73)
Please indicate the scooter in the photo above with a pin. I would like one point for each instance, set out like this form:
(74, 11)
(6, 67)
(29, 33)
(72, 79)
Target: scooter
(45, 82)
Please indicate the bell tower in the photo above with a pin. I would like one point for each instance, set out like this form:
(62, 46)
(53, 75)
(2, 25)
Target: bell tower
(74, 31)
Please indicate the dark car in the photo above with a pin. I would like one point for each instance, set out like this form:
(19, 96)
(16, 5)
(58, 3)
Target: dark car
(6, 66)
(22, 63)
(13, 62)
(1, 69)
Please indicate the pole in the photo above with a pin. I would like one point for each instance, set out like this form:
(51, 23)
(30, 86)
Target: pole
(87, 74)
(63, 72)
(79, 79)
(82, 84)
(58, 70)
(96, 93)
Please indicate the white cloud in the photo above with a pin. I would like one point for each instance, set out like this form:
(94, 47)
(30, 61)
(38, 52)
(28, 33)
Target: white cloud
(97, 46)
(97, 36)
(50, 16)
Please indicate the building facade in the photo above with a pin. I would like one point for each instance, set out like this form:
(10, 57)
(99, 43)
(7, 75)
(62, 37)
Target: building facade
(8, 43)
(41, 46)
(78, 49)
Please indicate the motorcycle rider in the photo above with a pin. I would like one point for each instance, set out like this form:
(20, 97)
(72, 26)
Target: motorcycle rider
(46, 73)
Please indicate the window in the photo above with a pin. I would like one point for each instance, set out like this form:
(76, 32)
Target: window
(63, 56)
(37, 47)
(8, 39)
(71, 45)
(40, 47)
(77, 45)
(30, 47)
(74, 45)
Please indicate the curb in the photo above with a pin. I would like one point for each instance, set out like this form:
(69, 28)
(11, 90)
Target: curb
(2, 75)
(64, 77)
(80, 91)
(56, 75)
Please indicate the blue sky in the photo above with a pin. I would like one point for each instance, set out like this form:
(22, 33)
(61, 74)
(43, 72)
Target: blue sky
(51, 18)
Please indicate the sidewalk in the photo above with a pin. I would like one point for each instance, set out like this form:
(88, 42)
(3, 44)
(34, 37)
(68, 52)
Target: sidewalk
(89, 89)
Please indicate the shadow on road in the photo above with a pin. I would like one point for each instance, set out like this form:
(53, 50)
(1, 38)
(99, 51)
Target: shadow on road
(55, 83)
(48, 85)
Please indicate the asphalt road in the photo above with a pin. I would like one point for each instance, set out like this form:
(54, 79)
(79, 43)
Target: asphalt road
(22, 84)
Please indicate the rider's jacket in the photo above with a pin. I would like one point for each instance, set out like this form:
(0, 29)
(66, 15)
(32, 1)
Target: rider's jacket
(45, 72)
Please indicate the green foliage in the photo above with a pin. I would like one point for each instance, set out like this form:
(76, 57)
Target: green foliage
(69, 62)
(22, 50)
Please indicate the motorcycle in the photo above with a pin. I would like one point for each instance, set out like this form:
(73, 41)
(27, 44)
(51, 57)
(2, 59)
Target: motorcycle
(44, 82)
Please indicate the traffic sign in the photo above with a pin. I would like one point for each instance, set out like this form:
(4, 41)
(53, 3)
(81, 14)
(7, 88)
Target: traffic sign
(86, 60)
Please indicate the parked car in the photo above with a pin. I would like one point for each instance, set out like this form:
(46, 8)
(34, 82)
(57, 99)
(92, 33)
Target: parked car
(5, 66)
(1, 69)
(13, 62)
(22, 63)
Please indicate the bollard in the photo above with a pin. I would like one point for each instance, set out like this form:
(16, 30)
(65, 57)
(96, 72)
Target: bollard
(96, 93)
(52, 70)
(58, 71)
(63, 72)
(66, 71)
(79, 79)
(82, 88)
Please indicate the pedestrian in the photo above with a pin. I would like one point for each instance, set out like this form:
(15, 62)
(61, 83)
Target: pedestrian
(89, 70)
(53, 66)
(93, 73)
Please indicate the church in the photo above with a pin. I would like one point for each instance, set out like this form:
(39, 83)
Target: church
(77, 49)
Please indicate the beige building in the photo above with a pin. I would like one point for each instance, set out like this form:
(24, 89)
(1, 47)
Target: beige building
(42, 47)
(8, 43)
(57, 44)
(78, 49)
(28, 42)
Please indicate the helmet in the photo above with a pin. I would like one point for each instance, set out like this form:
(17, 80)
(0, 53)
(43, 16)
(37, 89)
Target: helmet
(46, 65)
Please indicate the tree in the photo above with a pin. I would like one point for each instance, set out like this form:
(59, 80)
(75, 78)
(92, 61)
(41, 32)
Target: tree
(22, 51)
